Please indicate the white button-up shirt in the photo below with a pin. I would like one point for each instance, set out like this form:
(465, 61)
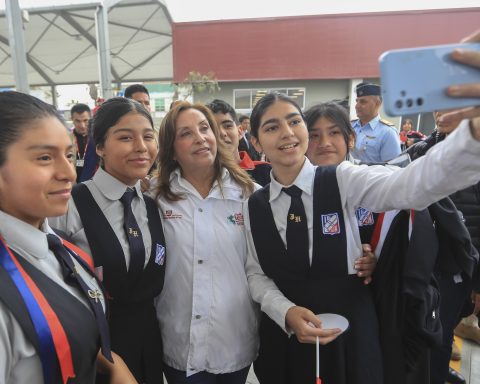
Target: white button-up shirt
(19, 362)
(377, 188)
(207, 316)
(107, 191)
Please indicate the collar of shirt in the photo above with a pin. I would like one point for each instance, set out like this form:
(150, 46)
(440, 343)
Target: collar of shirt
(111, 187)
(372, 123)
(23, 237)
(304, 181)
(230, 189)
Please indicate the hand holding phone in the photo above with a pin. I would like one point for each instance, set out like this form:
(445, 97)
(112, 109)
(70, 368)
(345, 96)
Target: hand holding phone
(416, 80)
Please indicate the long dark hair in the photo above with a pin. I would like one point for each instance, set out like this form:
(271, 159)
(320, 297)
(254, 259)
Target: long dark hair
(110, 112)
(262, 105)
(17, 113)
(334, 112)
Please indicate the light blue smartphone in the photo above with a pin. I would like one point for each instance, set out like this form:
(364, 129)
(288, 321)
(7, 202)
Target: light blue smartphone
(415, 80)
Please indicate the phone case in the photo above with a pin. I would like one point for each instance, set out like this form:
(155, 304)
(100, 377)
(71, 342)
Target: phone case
(415, 80)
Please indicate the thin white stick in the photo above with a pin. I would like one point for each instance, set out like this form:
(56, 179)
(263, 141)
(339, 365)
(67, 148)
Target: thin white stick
(318, 359)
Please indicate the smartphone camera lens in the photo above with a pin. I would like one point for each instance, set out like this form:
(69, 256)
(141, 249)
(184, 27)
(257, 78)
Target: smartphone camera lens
(399, 104)
(419, 101)
(409, 103)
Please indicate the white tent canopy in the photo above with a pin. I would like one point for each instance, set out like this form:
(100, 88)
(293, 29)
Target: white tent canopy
(61, 42)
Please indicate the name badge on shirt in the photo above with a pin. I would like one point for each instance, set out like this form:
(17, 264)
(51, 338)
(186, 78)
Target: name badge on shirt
(79, 162)
(160, 254)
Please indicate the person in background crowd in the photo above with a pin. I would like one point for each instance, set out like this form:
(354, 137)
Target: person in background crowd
(245, 144)
(80, 114)
(120, 227)
(139, 93)
(294, 283)
(52, 318)
(226, 117)
(207, 316)
(376, 139)
(407, 126)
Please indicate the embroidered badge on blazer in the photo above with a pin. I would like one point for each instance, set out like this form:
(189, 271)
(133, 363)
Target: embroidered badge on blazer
(364, 217)
(330, 224)
(160, 254)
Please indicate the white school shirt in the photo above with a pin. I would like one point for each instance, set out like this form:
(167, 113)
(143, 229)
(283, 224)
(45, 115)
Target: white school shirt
(106, 191)
(451, 165)
(207, 316)
(19, 362)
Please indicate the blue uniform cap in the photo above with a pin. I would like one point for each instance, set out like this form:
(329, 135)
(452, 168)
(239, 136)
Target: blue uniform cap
(368, 89)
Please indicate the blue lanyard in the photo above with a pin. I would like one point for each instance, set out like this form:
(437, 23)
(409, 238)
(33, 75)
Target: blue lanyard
(47, 351)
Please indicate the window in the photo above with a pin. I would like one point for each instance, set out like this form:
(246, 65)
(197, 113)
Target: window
(245, 99)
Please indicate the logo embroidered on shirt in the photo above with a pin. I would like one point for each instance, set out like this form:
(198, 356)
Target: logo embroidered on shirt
(330, 224)
(236, 218)
(364, 217)
(160, 254)
(170, 215)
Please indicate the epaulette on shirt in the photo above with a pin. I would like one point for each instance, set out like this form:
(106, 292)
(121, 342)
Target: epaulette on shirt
(386, 122)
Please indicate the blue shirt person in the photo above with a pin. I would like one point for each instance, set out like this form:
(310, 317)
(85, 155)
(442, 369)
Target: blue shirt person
(376, 139)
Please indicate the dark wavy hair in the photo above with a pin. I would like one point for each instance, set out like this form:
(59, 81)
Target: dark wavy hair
(334, 112)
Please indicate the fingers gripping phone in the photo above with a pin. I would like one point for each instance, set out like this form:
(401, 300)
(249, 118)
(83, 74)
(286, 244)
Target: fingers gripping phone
(415, 80)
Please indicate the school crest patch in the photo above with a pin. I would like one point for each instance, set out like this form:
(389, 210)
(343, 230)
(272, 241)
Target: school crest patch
(364, 217)
(330, 224)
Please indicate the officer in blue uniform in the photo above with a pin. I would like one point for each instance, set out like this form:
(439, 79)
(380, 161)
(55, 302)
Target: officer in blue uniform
(377, 140)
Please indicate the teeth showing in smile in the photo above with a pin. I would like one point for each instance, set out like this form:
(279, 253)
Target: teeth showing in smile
(288, 146)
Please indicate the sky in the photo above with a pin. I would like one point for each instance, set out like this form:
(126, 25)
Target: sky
(198, 10)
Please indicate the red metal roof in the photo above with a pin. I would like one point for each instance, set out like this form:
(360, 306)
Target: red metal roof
(310, 47)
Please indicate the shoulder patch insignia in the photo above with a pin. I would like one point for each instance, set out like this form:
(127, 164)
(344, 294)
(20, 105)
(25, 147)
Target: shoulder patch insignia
(386, 122)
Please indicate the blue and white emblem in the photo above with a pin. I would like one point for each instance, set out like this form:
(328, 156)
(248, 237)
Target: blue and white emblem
(330, 224)
(364, 217)
(160, 254)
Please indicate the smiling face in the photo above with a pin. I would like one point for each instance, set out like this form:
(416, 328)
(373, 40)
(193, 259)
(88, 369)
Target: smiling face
(283, 137)
(37, 177)
(407, 125)
(129, 149)
(195, 147)
(229, 132)
(327, 144)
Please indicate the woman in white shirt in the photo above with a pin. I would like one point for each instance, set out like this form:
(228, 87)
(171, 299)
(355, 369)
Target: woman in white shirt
(207, 317)
(44, 294)
(290, 289)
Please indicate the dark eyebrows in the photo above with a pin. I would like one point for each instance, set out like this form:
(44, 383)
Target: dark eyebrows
(46, 147)
(275, 120)
(227, 121)
(129, 130)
